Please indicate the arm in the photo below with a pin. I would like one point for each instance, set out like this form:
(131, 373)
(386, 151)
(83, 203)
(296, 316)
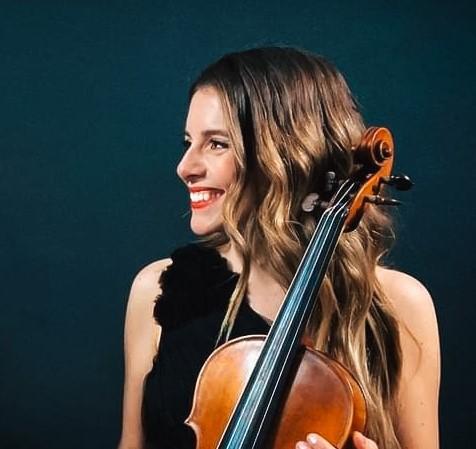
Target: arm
(417, 417)
(141, 338)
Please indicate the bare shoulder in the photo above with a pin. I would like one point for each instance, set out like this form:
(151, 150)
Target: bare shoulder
(415, 312)
(140, 326)
(410, 299)
(147, 279)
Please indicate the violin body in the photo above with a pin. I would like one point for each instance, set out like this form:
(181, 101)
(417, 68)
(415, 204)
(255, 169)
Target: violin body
(322, 397)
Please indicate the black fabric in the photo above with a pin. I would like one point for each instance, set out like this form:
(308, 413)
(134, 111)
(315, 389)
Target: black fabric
(196, 288)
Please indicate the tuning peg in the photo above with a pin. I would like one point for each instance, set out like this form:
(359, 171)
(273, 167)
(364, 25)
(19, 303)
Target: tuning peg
(330, 181)
(400, 182)
(381, 201)
(311, 201)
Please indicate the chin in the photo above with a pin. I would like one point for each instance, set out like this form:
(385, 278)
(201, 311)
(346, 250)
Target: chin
(201, 226)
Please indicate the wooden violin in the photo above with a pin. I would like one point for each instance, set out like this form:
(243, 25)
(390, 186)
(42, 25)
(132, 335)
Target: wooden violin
(270, 392)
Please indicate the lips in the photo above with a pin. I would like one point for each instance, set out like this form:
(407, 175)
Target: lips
(201, 197)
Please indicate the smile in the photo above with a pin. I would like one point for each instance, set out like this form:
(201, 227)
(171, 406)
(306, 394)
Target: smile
(203, 198)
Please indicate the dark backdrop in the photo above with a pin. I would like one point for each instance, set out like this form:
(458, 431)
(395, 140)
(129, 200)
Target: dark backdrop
(93, 96)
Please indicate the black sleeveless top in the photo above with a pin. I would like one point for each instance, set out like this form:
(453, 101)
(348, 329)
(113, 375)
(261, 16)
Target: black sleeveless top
(196, 288)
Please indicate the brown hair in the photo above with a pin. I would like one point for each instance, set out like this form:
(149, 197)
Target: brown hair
(292, 118)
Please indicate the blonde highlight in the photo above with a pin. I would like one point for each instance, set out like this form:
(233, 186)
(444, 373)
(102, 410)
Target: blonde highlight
(291, 118)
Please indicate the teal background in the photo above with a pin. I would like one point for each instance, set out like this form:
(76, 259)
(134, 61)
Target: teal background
(93, 97)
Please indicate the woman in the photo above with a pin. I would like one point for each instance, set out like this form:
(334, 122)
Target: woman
(263, 128)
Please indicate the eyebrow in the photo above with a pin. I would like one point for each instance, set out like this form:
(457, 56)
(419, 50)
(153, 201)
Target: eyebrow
(211, 132)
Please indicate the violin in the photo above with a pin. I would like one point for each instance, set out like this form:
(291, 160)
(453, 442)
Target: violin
(270, 391)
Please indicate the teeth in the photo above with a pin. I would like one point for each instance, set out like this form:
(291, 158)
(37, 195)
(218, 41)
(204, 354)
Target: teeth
(204, 195)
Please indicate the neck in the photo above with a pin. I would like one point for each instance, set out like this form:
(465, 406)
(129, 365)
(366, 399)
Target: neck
(264, 293)
(230, 253)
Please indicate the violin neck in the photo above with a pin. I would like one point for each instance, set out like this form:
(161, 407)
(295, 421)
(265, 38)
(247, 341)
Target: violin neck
(250, 422)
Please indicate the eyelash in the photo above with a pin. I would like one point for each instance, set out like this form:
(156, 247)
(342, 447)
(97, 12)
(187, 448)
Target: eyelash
(214, 144)
(218, 145)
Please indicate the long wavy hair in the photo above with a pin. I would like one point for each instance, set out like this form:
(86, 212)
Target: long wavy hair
(292, 118)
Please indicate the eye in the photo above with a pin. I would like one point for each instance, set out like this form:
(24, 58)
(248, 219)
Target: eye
(186, 144)
(218, 144)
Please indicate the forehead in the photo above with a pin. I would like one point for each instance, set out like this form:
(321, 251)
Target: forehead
(205, 111)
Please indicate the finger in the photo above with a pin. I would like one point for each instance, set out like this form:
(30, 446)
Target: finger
(362, 442)
(317, 442)
(303, 445)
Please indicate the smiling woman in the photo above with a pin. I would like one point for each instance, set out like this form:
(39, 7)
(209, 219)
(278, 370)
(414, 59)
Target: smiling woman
(264, 129)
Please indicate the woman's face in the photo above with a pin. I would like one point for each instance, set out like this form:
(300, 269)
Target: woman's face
(208, 165)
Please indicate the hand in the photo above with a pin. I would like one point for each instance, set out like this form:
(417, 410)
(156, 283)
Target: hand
(315, 441)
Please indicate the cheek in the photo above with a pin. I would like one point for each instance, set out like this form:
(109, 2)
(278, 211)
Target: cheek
(228, 170)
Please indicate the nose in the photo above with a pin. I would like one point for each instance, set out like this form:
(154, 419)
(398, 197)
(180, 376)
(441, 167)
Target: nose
(191, 168)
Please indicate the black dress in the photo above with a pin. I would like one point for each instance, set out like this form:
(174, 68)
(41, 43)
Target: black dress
(196, 288)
